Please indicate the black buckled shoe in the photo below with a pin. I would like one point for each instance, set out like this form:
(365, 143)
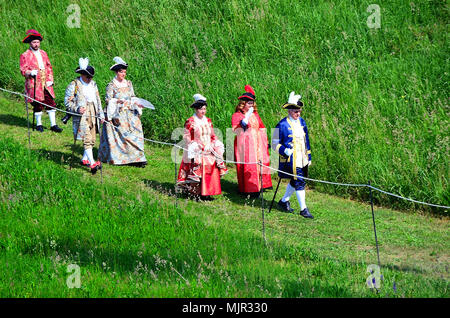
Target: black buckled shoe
(285, 206)
(40, 128)
(305, 213)
(56, 129)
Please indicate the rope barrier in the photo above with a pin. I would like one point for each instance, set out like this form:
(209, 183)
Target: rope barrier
(245, 163)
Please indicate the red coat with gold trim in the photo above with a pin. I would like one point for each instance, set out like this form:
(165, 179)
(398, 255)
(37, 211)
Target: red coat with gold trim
(29, 62)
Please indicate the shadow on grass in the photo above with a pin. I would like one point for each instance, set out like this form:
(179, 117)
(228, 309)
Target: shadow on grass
(71, 157)
(166, 188)
(229, 191)
(12, 120)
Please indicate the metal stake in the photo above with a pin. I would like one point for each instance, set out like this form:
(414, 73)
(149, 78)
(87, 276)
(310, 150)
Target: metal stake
(28, 124)
(175, 174)
(274, 195)
(34, 98)
(73, 150)
(374, 227)
(262, 203)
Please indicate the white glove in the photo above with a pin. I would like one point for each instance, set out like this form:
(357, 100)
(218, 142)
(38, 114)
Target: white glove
(49, 83)
(288, 151)
(33, 73)
(249, 113)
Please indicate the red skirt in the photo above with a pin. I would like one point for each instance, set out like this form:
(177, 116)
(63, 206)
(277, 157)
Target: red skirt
(209, 178)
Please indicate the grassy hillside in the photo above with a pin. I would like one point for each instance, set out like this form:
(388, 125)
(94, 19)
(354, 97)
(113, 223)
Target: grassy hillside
(132, 239)
(376, 99)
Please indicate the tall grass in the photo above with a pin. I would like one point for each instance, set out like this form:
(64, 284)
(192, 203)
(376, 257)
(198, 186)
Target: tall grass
(136, 245)
(376, 99)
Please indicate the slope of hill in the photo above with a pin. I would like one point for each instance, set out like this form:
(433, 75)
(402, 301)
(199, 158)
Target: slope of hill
(130, 237)
(376, 98)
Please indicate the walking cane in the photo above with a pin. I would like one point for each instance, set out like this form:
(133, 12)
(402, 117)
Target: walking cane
(262, 203)
(34, 96)
(73, 149)
(275, 194)
(28, 123)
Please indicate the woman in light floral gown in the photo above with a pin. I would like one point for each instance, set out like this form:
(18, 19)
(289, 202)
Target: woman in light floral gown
(122, 142)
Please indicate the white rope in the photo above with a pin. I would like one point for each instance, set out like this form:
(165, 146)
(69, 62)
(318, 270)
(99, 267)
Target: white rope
(358, 185)
(415, 201)
(245, 163)
(316, 180)
(77, 114)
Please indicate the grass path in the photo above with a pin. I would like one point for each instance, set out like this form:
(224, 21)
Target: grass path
(414, 247)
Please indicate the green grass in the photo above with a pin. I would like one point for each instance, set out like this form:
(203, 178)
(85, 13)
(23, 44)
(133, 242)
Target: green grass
(376, 99)
(131, 240)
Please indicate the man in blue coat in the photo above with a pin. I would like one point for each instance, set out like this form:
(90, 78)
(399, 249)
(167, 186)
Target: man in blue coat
(291, 141)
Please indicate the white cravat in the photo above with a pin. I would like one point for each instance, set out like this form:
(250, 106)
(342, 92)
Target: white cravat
(296, 126)
(88, 91)
(38, 55)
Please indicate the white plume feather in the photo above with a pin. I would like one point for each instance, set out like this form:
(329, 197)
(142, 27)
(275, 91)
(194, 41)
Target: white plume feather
(293, 99)
(83, 62)
(119, 60)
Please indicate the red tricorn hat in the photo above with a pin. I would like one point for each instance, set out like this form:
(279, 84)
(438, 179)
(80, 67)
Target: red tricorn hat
(249, 93)
(32, 35)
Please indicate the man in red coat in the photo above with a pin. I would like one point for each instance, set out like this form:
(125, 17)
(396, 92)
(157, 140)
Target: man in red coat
(37, 70)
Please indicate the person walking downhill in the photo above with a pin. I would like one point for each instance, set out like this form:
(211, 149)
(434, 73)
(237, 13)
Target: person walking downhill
(35, 66)
(291, 141)
(82, 97)
(122, 141)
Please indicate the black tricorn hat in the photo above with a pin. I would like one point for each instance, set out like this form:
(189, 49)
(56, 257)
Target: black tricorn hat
(84, 67)
(120, 64)
(249, 93)
(32, 35)
(294, 102)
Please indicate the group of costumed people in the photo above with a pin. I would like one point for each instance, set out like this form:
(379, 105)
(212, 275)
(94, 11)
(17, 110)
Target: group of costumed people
(122, 138)
(202, 166)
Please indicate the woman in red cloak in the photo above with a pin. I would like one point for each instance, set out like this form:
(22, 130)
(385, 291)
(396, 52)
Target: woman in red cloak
(250, 145)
